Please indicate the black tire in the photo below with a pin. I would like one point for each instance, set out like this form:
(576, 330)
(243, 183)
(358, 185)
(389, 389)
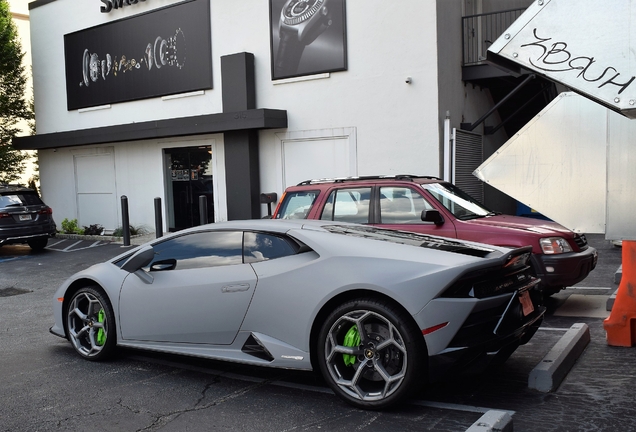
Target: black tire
(91, 333)
(38, 244)
(390, 346)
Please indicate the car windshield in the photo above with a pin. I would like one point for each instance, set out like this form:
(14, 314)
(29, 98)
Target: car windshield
(19, 199)
(296, 205)
(456, 201)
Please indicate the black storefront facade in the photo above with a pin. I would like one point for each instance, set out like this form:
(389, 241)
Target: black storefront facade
(239, 125)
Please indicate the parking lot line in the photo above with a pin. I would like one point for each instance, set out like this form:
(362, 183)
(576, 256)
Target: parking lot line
(69, 247)
(455, 407)
(588, 288)
(73, 247)
(13, 258)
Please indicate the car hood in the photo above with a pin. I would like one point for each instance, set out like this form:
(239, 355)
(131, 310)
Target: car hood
(538, 226)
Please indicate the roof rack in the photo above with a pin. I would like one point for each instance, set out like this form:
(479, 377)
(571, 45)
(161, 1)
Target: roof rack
(407, 177)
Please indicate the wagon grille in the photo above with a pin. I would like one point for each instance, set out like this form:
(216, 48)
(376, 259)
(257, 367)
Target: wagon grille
(581, 241)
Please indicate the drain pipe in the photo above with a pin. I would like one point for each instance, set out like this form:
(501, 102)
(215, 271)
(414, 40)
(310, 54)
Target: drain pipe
(448, 150)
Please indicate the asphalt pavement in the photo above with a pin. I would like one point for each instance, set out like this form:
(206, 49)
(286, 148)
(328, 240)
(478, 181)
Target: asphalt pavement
(47, 387)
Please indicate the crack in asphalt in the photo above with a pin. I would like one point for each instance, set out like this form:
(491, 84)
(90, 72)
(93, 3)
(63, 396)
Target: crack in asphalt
(164, 419)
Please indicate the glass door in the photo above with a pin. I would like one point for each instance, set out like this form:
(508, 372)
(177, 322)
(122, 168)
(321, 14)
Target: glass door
(190, 177)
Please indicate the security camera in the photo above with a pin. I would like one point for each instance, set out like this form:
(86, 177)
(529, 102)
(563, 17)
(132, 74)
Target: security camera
(408, 80)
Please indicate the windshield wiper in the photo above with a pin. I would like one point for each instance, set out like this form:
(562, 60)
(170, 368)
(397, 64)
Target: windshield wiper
(472, 216)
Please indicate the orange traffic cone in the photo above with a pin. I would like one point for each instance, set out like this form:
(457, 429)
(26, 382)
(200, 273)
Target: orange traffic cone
(621, 324)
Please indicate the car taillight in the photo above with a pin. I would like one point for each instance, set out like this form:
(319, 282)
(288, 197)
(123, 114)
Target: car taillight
(46, 211)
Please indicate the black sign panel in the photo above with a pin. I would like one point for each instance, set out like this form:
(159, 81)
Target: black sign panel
(162, 52)
(307, 37)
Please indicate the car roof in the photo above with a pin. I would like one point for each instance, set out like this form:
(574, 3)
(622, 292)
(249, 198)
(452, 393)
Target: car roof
(419, 179)
(271, 225)
(6, 189)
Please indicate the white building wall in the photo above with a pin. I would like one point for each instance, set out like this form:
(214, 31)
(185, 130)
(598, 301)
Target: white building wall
(395, 124)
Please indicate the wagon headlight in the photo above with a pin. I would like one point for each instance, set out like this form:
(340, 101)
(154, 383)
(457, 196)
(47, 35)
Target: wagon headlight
(554, 245)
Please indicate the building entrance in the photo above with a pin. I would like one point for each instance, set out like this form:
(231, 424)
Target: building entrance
(189, 177)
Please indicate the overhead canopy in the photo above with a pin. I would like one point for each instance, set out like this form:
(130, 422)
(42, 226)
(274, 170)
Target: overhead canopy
(252, 119)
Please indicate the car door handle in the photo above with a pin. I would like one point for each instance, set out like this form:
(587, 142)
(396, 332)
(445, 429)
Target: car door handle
(235, 288)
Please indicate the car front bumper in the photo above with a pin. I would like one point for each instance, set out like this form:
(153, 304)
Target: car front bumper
(564, 270)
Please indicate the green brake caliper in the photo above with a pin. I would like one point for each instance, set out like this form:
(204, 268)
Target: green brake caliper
(101, 334)
(352, 339)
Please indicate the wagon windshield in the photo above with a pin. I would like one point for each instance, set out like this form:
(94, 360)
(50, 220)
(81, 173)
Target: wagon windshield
(456, 201)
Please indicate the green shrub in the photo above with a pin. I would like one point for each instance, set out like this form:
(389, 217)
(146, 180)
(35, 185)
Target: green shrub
(71, 227)
(119, 231)
(95, 229)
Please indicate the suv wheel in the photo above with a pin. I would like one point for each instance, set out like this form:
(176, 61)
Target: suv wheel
(38, 244)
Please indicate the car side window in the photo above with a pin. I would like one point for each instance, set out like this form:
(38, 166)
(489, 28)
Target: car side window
(199, 250)
(401, 205)
(262, 247)
(296, 205)
(348, 205)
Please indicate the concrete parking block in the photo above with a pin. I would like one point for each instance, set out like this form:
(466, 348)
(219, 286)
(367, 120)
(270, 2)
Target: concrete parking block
(493, 421)
(550, 372)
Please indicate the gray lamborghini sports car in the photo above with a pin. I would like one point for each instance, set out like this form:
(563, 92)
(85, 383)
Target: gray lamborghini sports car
(378, 312)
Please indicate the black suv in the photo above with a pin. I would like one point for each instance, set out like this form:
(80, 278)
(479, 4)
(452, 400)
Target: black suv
(24, 218)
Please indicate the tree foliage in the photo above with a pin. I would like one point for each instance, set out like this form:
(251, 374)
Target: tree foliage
(13, 105)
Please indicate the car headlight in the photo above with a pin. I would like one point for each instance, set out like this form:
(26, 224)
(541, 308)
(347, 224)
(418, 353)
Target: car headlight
(554, 245)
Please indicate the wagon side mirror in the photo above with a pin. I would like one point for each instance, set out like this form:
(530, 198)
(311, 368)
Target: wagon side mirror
(432, 216)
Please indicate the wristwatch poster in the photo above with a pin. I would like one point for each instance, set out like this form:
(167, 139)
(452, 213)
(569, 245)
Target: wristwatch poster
(296, 25)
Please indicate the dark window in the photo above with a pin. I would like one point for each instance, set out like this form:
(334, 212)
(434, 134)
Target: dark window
(401, 205)
(296, 205)
(197, 250)
(20, 199)
(262, 247)
(348, 205)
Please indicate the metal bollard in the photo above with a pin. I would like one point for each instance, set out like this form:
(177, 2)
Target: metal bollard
(125, 223)
(203, 209)
(158, 219)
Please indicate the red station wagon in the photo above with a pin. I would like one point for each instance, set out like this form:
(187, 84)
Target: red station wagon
(428, 205)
